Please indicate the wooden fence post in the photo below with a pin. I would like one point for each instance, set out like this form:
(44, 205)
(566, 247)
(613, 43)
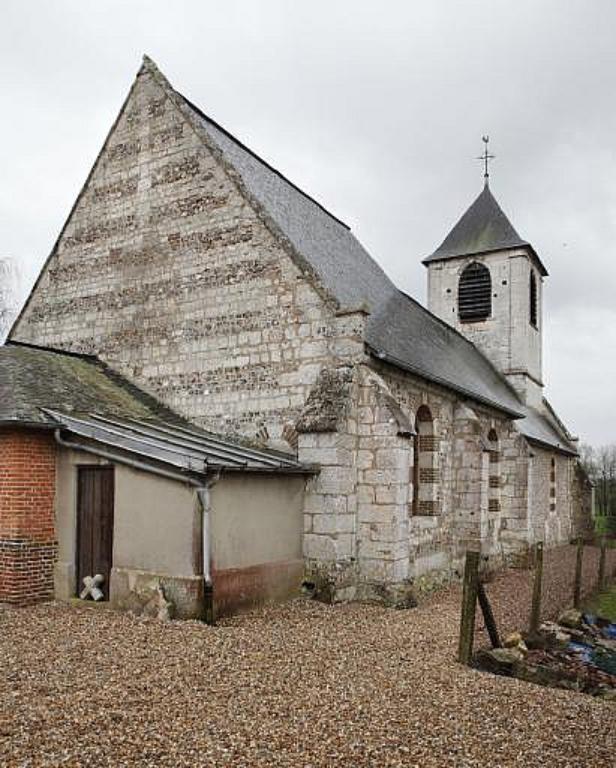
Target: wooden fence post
(488, 616)
(535, 613)
(577, 587)
(469, 602)
(602, 555)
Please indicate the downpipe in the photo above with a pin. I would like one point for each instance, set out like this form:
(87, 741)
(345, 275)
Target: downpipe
(205, 501)
(203, 494)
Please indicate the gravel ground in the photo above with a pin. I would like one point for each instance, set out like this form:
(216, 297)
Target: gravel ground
(299, 685)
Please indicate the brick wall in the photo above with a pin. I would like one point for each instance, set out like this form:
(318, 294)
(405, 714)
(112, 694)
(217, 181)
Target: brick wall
(27, 530)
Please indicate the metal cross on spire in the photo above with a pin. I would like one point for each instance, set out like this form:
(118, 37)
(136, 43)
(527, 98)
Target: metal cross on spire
(486, 157)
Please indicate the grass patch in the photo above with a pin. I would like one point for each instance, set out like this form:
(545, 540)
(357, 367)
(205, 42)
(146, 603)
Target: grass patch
(603, 604)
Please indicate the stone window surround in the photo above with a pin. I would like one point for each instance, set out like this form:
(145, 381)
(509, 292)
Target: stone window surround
(425, 472)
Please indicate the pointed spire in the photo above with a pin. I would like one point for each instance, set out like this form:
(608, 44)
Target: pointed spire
(483, 228)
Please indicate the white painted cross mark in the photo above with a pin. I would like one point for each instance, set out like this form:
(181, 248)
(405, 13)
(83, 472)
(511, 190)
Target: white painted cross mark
(92, 587)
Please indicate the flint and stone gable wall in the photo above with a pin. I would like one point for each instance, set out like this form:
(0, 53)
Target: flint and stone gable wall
(167, 272)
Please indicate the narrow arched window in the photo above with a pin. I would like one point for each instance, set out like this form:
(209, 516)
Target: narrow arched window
(494, 477)
(533, 298)
(553, 485)
(474, 293)
(425, 465)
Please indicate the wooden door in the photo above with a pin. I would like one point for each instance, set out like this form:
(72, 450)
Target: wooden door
(95, 489)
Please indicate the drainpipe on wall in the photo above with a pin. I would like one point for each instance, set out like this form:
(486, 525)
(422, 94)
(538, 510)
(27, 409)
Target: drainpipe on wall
(203, 494)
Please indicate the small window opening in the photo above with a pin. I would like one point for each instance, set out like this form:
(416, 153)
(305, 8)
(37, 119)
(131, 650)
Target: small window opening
(475, 293)
(533, 298)
(494, 477)
(425, 475)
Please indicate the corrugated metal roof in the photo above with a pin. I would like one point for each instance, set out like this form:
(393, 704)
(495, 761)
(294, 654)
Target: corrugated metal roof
(187, 449)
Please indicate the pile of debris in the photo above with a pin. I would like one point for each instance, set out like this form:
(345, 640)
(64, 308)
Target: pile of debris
(577, 653)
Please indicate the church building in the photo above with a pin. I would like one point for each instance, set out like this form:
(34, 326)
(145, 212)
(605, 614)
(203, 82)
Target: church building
(201, 275)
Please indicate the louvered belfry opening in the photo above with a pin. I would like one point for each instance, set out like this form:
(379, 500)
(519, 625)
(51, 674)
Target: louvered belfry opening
(475, 293)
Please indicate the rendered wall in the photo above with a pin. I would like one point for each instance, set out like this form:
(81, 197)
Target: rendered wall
(156, 530)
(257, 523)
(256, 536)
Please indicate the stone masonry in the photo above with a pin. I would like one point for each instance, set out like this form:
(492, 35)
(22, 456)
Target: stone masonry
(165, 271)
(169, 271)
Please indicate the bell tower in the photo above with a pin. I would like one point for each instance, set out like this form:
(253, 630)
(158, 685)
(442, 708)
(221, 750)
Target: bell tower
(487, 282)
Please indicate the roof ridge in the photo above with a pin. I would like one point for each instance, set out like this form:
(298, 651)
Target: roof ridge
(252, 153)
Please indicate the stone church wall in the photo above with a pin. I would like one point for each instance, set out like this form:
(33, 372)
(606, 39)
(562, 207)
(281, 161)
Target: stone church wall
(363, 538)
(165, 271)
(550, 500)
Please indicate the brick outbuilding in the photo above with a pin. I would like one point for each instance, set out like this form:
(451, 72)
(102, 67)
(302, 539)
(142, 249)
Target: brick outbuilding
(99, 479)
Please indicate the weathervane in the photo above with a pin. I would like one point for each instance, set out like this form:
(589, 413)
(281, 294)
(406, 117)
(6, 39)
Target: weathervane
(486, 157)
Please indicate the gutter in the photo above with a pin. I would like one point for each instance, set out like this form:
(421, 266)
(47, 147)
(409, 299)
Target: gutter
(203, 495)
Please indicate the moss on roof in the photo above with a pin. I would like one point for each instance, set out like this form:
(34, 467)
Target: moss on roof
(32, 378)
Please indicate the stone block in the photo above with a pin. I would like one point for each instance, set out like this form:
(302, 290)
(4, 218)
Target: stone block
(333, 524)
(319, 547)
(336, 481)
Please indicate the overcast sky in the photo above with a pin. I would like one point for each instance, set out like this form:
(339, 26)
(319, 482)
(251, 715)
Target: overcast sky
(376, 109)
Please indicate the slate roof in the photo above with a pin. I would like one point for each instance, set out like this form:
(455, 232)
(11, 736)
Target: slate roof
(483, 228)
(540, 428)
(32, 378)
(399, 330)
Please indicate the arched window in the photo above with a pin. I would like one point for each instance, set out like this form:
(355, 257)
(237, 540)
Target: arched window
(494, 478)
(553, 485)
(533, 298)
(474, 293)
(425, 464)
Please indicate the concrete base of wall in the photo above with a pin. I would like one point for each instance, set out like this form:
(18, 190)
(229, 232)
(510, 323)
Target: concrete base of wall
(64, 580)
(237, 589)
(185, 592)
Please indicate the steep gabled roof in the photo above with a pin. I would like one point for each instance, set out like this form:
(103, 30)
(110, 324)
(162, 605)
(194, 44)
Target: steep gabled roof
(483, 228)
(399, 329)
